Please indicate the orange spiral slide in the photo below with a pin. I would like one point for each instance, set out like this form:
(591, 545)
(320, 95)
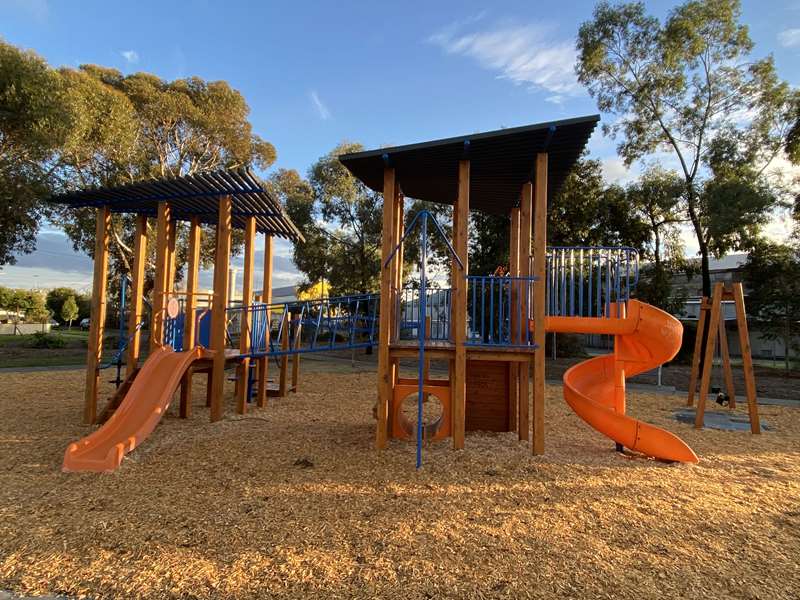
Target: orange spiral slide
(137, 415)
(595, 389)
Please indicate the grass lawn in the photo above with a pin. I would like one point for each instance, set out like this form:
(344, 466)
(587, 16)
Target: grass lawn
(292, 501)
(18, 351)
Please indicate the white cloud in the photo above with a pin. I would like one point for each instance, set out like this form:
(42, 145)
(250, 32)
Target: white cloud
(525, 54)
(322, 110)
(615, 171)
(789, 38)
(131, 56)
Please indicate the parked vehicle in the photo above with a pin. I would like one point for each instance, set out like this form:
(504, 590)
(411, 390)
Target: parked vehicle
(85, 323)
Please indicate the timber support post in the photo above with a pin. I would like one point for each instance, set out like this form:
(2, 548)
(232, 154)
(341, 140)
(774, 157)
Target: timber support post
(219, 316)
(98, 314)
(539, 299)
(459, 301)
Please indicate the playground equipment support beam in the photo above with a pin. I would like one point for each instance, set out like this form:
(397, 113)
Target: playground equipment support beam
(525, 228)
(222, 257)
(266, 298)
(513, 271)
(747, 358)
(708, 360)
(190, 312)
(385, 382)
(161, 275)
(98, 314)
(459, 300)
(540, 271)
(135, 314)
(246, 317)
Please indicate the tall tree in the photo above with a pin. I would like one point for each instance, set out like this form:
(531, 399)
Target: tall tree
(656, 197)
(341, 220)
(34, 123)
(677, 87)
(69, 311)
(772, 275)
(134, 127)
(588, 212)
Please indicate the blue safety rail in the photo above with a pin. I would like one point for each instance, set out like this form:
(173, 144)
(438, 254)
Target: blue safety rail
(498, 309)
(437, 308)
(585, 281)
(319, 325)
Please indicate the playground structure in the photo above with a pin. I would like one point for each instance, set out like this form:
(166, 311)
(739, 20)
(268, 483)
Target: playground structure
(712, 320)
(489, 329)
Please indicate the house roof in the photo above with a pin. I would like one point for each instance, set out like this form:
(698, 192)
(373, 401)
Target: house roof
(500, 162)
(193, 196)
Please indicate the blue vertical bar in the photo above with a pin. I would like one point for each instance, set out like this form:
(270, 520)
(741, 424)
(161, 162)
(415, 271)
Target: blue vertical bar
(581, 282)
(572, 283)
(491, 310)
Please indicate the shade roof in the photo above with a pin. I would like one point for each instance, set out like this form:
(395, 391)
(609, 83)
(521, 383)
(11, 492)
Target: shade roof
(500, 162)
(194, 196)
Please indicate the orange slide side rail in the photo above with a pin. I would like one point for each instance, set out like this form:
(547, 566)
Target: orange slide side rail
(595, 389)
(137, 415)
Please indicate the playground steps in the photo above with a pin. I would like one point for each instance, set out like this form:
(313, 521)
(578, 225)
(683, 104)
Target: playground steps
(116, 399)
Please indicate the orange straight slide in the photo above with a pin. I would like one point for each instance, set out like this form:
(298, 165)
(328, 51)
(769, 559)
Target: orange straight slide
(137, 415)
(595, 389)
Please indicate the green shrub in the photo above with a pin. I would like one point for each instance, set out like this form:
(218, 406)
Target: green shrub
(47, 340)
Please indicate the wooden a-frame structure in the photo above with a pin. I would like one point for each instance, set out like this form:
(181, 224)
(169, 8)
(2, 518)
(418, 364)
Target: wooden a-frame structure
(712, 321)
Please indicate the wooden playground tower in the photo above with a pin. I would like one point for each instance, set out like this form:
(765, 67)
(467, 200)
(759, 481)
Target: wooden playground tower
(509, 172)
(227, 200)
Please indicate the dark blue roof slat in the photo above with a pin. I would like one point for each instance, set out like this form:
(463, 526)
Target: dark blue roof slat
(194, 196)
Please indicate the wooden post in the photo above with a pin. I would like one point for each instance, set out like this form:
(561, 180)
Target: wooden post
(173, 235)
(698, 349)
(266, 298)
(161, 276)
(283, 385)
(516, 327)
(726, 362)
(246, 317)
(747, 359)
(385, 382)
(97, 319)
(135, 314)
(524, 265)
(459, 300)
(397, 262)
(219, 315)
(708, 359)
(189, 312)
(540, 271)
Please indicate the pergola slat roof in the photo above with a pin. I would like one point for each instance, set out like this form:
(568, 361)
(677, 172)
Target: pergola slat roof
(500, 162)
(194, 196)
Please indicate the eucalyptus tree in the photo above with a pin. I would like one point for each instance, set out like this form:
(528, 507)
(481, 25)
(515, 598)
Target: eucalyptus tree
(681, 87)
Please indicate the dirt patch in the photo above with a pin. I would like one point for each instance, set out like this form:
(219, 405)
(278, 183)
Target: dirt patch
(292, 501)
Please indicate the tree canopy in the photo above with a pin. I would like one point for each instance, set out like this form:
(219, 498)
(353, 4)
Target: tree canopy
(684, 87)
(772, 274)
(66, 128)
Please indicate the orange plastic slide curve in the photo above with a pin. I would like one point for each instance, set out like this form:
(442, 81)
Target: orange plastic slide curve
(595, 389)
(137, 415)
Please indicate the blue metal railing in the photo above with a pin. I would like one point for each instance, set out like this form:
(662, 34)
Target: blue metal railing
(319, 325)
(498, 310)
(586, 281)
(437, 309)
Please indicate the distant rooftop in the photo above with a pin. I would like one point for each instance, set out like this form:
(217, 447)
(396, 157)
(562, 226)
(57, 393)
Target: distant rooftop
(194, 196)
(500, 162)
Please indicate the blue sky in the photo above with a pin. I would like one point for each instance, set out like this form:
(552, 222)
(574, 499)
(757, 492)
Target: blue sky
(379, 73)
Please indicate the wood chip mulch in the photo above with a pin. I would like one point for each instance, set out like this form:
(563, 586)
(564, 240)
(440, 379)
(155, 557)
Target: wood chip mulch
(293, 501)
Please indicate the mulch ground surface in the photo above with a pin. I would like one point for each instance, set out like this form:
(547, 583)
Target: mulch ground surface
(293, 501)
